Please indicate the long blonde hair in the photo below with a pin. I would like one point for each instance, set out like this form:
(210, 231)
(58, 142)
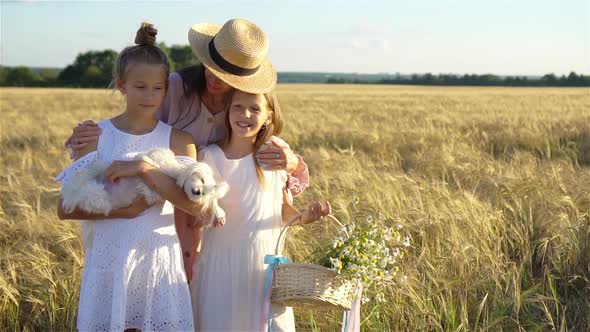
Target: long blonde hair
(273, 128)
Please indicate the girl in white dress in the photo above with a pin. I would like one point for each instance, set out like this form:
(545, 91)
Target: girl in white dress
(228, 280)
(133, 271)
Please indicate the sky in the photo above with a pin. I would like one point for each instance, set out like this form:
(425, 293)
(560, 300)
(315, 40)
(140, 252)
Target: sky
(504, 37)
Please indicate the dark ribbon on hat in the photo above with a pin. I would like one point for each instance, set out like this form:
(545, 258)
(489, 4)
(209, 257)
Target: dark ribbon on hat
(226, 65)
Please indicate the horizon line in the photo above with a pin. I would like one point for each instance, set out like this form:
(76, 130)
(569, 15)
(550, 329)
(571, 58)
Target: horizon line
(395, 73)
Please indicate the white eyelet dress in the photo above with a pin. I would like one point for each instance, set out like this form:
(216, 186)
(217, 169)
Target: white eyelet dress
(133, 271)
(228, 279)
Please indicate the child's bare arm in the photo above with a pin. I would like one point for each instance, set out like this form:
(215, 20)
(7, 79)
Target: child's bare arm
(314, 211)
(159, 182)
(189, 230)
(181, 144)
(137, 207)
(289, 211)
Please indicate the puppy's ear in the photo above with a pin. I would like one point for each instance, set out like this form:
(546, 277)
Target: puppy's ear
(182, 177)
(206, 173)
(221, 189)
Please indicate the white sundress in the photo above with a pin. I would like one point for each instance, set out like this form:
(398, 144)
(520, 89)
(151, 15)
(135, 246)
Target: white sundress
(228, 279)
(133, 271)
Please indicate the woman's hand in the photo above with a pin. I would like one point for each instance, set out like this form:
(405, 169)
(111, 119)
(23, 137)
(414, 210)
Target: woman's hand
(315, 211)
(277, 157)
(86, 133)
(121, 169)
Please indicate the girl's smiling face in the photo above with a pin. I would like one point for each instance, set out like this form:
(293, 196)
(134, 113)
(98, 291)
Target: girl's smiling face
(247, 114)
(144, 87)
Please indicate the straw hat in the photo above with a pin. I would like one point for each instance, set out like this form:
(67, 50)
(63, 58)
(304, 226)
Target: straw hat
(236, 53)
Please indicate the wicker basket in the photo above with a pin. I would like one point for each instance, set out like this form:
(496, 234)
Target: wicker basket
(310, 285)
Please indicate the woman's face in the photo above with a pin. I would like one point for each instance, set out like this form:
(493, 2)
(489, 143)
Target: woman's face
(215, 86)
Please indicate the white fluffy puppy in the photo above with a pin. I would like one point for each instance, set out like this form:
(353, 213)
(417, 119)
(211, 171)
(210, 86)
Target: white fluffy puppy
(89, 192)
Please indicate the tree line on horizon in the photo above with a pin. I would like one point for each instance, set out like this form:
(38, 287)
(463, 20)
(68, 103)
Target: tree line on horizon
(572, 80)
(93, 69)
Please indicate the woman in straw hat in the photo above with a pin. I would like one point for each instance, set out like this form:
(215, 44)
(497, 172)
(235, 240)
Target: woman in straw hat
(232, 56)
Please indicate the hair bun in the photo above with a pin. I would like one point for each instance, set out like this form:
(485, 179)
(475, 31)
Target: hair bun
(146, 35)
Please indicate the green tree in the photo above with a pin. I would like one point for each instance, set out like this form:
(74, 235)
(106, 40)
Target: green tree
(90, 69)
(92, 76)
(550, 79)
(21, 76)
(182, 57)
(572, 79)
(2, 76)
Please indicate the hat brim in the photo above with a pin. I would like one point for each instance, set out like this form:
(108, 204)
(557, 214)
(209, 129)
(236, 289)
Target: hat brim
(262, 81)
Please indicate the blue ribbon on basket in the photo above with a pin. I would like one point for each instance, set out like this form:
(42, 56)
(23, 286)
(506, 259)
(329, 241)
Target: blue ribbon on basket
(271, 260)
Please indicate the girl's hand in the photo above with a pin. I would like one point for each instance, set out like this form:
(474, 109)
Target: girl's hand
(120, 169)
(135, 209)
(315, 211)
(84, 134)
(277, 157)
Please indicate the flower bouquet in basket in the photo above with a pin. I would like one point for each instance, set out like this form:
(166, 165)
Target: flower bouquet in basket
(364, 254)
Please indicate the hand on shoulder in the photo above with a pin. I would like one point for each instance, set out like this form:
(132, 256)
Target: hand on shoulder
(277, 155)
(84, 139)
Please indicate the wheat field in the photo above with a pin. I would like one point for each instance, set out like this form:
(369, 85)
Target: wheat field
(491, 184)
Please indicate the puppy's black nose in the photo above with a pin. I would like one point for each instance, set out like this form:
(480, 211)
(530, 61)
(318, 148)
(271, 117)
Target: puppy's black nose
(196, 192)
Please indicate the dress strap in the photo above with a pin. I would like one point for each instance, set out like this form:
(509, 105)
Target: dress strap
(162, 135)
(103, 139)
